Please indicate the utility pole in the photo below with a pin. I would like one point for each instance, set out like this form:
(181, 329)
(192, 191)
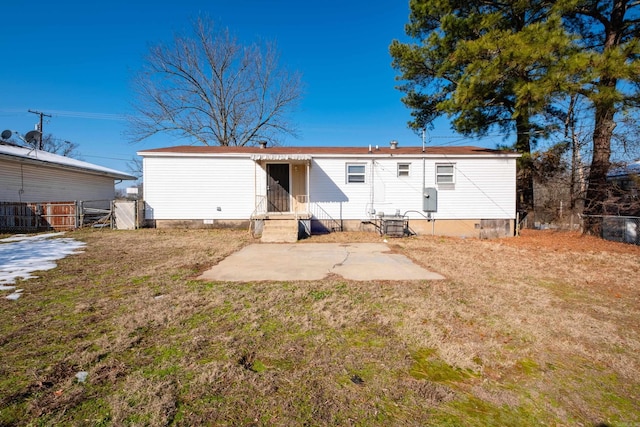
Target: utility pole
(41, 114)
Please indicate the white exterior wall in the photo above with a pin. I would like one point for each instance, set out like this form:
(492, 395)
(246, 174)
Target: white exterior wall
(484, 188)
(39, 183)
(225, 187)
(329, 189)
(199, 187)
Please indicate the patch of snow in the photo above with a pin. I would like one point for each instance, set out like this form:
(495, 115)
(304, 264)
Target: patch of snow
(21, 255)
(82, 376)
(22, 237)
(15, 295)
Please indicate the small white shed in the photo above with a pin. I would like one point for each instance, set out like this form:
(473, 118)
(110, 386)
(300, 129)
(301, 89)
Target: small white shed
(29, 175)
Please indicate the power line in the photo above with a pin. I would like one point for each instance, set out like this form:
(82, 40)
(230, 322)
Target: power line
(104, 157)
(71, 114)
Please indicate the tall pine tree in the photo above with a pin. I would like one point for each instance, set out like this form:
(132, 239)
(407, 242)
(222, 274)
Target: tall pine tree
(608, 34)
(490, 63)
(485, 65)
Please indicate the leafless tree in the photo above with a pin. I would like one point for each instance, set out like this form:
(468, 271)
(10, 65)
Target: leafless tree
(49, 144)
(135, 167)
(61, 147)
(212, 89)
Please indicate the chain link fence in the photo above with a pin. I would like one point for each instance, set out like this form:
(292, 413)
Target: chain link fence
(625, 229)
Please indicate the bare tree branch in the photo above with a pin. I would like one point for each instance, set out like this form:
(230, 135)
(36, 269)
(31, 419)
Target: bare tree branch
(214, 90)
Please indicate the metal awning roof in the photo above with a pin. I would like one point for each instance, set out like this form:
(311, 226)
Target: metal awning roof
(280, 157)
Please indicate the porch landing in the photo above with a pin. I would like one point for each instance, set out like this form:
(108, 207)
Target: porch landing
(282, 228)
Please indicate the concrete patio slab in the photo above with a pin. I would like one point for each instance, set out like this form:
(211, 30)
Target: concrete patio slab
(315, 261)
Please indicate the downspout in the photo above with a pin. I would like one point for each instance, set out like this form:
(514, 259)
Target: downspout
(424, 187)
(424, 178)
(424, 170)
(424, 184)
(21, 190)
(116, 182)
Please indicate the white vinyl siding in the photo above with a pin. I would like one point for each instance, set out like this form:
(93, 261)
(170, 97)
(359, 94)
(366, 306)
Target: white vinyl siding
(200, 188)
(328, 188)
(484, 188)
(393, 193)
(225, 187)
(39, 183)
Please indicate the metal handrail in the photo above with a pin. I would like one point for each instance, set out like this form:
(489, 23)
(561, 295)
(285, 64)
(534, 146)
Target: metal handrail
(322, 215)
(261, 206)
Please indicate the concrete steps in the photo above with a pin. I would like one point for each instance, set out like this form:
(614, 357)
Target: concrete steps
(281, 230)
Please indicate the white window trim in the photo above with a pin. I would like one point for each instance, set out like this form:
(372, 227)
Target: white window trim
(404, 170)
(348, 174)
(452, 174)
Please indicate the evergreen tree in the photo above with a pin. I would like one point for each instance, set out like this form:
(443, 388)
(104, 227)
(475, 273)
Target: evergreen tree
(506, 64)
(484, 64)
(608, 38)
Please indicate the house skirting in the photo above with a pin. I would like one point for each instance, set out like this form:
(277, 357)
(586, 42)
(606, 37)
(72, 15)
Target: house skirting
(200, 223)
(478, 228)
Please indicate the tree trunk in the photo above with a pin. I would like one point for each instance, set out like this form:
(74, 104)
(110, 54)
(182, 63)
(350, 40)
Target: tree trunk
(525, 196)
(597, 183)
(603, 128)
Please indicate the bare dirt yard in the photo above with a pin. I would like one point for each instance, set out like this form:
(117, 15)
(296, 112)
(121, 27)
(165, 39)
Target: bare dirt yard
(541, 329)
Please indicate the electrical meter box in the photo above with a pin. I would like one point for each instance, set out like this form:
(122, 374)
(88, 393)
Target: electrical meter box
(430, 200)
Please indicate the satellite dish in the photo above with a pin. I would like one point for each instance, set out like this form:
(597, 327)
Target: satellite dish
(32, 136)
(6, 134)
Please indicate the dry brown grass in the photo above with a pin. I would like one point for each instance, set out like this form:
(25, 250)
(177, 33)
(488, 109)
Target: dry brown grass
(541, 329)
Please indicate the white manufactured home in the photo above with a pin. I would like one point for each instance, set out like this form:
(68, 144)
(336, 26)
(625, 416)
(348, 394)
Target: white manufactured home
(462, 191)
(29, 175)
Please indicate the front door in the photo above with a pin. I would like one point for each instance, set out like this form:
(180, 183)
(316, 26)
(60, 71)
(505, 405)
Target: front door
(278, 187)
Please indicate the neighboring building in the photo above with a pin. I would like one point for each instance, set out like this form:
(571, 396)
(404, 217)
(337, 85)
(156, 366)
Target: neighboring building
(623, 196)
(29, 175)
(462, 191)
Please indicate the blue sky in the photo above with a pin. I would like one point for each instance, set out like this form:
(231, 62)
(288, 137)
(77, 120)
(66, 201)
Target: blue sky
(75, 59)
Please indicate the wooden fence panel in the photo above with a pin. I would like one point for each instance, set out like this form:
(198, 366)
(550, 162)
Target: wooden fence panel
(18, 217)
(29, 217)
(60, 215)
